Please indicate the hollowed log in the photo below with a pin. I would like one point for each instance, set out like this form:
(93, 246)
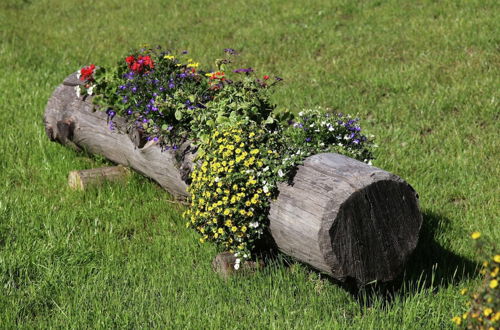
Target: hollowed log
(343, 217)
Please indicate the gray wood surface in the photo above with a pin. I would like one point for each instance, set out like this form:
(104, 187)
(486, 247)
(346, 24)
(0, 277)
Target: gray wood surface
(83, 179)
(347, 219)
(341, 216)
(75, 122)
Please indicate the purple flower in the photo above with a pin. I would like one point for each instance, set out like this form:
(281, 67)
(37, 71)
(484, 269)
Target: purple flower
(182, 75)
(155, 139)
(230, 51)
(171, 85)
(129, 75)
(175, 147)
(110, 113)
(243, 70)
(129, 112)
(122, 87)
(184, 52)
(308, 139)
(134, 89)
(169, 128)
(278, 78)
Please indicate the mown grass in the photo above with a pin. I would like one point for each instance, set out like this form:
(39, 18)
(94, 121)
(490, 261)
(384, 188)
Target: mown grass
(423, 75)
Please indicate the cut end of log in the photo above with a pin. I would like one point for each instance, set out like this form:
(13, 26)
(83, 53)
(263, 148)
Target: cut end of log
(81, 180)
(347, 219)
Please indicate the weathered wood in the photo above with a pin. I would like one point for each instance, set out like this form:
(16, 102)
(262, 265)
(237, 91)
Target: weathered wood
(75, 122)
(224, 265)
(80, 180)
(341, 216)
(347, 219)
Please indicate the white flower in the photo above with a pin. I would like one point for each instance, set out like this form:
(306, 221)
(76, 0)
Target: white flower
(265, 169)
(236, 266)
(77, 90)
(266, 189)
(331, 129)
(90, 91)
(253, 224)
(370, 163)
(216, 179)
(312, 125)
(78, 74)
(301, 113)
(280, 173)
(245, 256)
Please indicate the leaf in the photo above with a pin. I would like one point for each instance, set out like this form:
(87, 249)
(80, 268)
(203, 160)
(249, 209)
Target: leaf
(178, 114)
(269, 120)
(221, 119)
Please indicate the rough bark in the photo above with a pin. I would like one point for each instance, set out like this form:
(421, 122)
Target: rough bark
(83, 179)
(75, 122)
(341, 216)
(347, 219)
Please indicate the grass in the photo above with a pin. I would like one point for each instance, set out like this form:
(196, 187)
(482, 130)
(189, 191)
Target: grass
(424, 76)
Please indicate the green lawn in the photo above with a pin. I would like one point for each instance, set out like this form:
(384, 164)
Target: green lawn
(423, 75)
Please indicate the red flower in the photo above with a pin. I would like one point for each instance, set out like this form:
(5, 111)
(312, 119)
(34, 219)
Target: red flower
(130, 59)
(87, 72)
(266, 77)
(138, 65)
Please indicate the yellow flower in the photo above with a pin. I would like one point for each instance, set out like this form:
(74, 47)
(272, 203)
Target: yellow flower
(226, 212)
(244, 229)
(234, 228)
(254, 151)
(202, 240)
(169, 57)
(220, 231)
(496, 258)
(487, 312)
(252, 134)
(463, 291)
(228, 223)
(493, 284)
(475, 235)
(496, 317)
(457, 320)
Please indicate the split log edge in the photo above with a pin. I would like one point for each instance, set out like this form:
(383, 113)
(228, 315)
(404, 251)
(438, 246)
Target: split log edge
(341, 216)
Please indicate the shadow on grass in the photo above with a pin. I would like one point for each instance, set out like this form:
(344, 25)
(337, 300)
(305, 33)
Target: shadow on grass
(430, 267)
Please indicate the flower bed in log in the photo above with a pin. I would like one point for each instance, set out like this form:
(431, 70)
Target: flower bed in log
(245, 147)
(254, 162)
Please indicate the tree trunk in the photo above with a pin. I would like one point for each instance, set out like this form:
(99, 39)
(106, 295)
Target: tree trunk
(341, 216)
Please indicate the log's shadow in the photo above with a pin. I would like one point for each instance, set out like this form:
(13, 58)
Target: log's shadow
(430, 267)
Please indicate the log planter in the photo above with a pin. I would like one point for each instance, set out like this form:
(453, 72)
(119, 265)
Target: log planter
(343, 217)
